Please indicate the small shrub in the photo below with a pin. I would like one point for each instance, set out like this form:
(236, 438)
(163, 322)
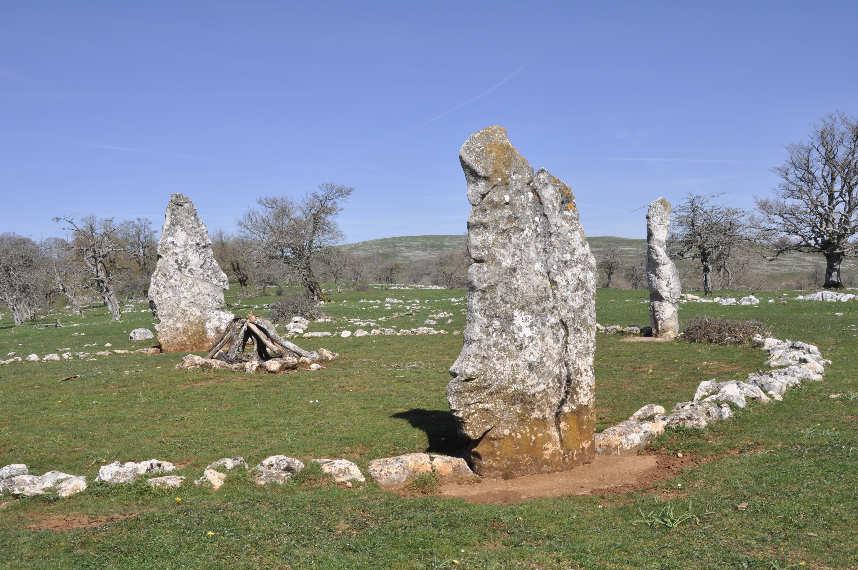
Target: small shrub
(723, 331)
(312, 477)
(666, 517)
(424, 484)
(295, 305)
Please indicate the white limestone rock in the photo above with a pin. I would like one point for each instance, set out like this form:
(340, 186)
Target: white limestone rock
(166, 482)
(13, 470)
(341, 470)
(278, 469)
(665, 289)
(117, 473)
(186, 290)
(140, 334)
(522, 387)
(391, 472)
(211, 478)
(71, 486)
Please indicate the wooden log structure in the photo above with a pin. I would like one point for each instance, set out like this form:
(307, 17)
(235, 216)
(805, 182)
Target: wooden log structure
(231, 345)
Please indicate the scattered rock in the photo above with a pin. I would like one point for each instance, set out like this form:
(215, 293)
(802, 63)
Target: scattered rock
(277, 469)
(52, 357)
(211, 478)
(326, 355)
(749, 300)
(628, 436)
(276, 365)
(121, 473)
(342, 470)
(396, 471)
(648, 412)
(229, 463)
(13, 470)
(829, 296)
(451, 469)
(71, 486)
(166, 482)
(141, 334)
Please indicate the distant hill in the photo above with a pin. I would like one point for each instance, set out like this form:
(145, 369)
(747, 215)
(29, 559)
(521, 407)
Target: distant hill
(792, 271)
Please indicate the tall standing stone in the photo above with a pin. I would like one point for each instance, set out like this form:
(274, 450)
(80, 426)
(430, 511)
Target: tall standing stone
(186, 291)
(661, 274)
(522, 387)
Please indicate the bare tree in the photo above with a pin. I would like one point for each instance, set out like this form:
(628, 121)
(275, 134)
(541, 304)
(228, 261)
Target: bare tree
(816, 206)
(65, 274)
(233, 255)
(294, 234)
(451, 269)
(707, 231)
(96, 244)
(610, 264)
(635, 274)
(20, 276)
(140, 243)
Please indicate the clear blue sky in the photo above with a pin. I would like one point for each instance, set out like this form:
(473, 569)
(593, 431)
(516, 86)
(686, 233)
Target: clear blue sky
(108, 107)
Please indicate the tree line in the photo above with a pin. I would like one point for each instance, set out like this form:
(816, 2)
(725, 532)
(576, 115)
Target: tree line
(284, 240)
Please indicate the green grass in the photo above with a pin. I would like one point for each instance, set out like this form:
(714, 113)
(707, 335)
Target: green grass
(795, 463)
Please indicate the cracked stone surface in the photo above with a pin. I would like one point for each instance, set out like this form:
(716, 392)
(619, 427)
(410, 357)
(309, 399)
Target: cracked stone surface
(665, 289)
(522, 387)
(186, 290)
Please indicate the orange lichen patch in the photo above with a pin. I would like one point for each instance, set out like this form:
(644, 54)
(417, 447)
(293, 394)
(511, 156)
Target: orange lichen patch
(536, 446)
(190, 338)
(501, 156)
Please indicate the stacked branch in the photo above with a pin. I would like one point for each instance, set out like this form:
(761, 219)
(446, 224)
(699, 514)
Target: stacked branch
(231, 346)
(272, 352)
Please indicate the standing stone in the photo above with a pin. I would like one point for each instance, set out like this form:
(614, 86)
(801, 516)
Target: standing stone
(661, 274)
(186, 291)
(522, 387)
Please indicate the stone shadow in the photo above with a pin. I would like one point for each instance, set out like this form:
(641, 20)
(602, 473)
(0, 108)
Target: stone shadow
(440, 428)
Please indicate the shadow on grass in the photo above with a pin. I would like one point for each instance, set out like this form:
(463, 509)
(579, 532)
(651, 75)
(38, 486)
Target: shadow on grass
(440, 429)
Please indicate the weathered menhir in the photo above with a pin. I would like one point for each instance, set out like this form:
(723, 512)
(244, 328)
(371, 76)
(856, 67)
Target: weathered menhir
(522, 387)
(186, 290)
(661, 274)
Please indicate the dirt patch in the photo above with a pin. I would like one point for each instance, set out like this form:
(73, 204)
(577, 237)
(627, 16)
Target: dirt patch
(634, 338)
(604, 475)
(74, 521)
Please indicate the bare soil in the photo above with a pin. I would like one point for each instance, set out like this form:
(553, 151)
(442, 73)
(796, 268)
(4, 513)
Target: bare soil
(604, 475)
(74, 521)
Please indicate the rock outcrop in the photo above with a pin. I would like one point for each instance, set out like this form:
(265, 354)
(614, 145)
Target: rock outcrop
(186, 290)
(522, 387)
(662, 277)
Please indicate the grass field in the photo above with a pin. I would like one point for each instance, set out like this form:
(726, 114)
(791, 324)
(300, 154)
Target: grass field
(794, 463)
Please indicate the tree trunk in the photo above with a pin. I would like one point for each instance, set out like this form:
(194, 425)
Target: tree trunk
(112, 303)
(311, 284)
(707, 278)
(833, 259)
